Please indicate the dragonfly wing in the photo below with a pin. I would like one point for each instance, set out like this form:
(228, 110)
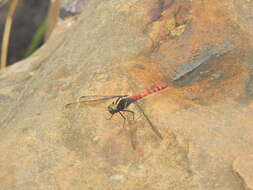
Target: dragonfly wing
(72, 105)
(91, 100)
(94, 98)
(150, 123)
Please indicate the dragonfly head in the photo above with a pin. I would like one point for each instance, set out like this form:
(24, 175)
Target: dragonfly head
(112, 108)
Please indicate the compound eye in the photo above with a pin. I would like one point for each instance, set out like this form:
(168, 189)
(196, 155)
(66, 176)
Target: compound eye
(109, 109)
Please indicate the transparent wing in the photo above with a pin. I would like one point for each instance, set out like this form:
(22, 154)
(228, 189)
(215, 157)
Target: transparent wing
(150, 123)
(92, 100)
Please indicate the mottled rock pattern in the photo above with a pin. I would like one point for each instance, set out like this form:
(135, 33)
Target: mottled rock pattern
(243, 166)
(124, 47)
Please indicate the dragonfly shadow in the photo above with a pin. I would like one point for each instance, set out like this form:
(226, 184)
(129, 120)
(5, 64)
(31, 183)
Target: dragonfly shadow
(154, 129)
(131, 127)
(131, 132)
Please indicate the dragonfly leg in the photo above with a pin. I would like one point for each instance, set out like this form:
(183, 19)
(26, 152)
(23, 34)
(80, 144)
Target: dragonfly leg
(110, 117)
(130, 111)
(123, 118)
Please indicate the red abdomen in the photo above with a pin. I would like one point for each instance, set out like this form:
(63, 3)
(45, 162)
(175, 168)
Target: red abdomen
(147, 92)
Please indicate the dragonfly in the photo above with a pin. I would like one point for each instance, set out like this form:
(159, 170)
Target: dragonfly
(122, 103)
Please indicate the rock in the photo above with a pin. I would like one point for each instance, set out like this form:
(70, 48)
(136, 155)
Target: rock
(243, 166)
(125, 47)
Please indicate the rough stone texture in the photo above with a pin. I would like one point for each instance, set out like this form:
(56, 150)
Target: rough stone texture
(243, 165)
(123, 47)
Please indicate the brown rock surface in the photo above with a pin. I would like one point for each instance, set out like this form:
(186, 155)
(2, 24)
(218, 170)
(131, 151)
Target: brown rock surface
(201, 49)
(243, 165)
